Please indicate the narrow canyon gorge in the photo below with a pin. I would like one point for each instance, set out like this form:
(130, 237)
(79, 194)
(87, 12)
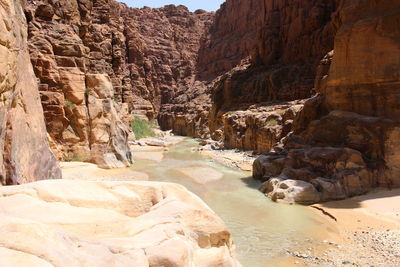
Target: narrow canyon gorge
(310, 87)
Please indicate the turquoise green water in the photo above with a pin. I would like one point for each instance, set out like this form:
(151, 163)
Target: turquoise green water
(262, 230)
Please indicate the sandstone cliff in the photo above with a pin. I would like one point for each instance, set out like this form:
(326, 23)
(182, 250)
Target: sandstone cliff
(71, 46)
(99, 63)
(254, 52)
(346, 138)
(289, 39)
(25, 155)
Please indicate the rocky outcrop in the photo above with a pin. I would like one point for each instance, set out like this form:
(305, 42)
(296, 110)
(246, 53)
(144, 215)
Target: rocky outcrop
(254, 52)
(110, 224)
(289, 39)
(188, 113)
(72, 60)
(259, 127)
(345, 139)
(25, 155)
(100, 63)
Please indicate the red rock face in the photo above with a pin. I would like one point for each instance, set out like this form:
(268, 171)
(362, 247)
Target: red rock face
(162, 51)
(283, 42)
(100, 63)
(231, 38)
(364, 76)
(345, 139)
(24, 149)
(167, 66)
(255, 52)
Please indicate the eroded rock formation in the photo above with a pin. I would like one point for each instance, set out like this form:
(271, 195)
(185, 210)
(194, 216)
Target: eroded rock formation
(240, 76)
(290, 39)
(110, 224)
(346, 138)
(74, 54)
(255, 52)
(25, 155)
(99, 63)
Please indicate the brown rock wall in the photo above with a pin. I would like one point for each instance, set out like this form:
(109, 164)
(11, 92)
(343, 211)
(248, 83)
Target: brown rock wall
(364, 76)
(145, 57)
(24, 149)
(345, 139)
(282, 45)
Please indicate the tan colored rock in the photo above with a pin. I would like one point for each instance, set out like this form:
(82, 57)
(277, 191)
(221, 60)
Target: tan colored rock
(24, 149)
(258, 128)
(110, 224)
(329, 173)
(104, 57)
(101, 85)
(73, 82)
(18, 258)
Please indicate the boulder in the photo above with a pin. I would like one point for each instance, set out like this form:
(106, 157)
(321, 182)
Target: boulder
(328, 173)
(110, 224)
(290, 191)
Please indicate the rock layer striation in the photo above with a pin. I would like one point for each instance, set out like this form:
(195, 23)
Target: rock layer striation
(99, 63)
(110, 224)
(345, 139)
(25, 155)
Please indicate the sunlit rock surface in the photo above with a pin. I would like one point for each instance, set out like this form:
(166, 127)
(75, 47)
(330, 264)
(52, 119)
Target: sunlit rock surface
(86, 223)
(25, 155)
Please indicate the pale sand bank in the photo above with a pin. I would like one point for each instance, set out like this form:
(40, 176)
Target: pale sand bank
(365, 232)
(379, 209)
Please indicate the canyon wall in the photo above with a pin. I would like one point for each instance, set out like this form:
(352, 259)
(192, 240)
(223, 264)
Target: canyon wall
(71, 44)
(255, 52)
(289, 39)
(99, 63)
(24, 149)
(241, 76)
(346, 138)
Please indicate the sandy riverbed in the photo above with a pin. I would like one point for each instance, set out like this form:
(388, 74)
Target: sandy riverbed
(366, 232)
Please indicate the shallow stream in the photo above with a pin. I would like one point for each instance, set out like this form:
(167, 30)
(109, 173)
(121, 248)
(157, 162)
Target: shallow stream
(262, 230)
